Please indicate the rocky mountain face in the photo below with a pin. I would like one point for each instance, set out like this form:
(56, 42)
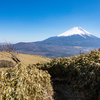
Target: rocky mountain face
(69, 43)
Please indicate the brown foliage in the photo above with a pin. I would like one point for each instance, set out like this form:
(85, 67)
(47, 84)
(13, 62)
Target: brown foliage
(6, 64)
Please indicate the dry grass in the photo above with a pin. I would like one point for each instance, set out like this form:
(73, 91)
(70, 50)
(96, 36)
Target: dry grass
(25, 59)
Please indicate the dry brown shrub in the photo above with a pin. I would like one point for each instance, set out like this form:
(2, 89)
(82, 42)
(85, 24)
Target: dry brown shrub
(6, 64)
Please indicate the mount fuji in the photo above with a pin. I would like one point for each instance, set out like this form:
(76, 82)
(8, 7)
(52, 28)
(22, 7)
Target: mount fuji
(68, 43)
(76, 31)
(74, 37)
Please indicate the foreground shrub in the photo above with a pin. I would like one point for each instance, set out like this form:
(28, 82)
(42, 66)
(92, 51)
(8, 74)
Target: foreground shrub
(6, 64)
(25, 83)
(82, 73)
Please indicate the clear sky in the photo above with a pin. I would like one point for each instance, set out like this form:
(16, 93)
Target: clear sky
(36, 20)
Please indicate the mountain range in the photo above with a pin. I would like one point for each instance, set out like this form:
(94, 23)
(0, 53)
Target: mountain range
(69, 43)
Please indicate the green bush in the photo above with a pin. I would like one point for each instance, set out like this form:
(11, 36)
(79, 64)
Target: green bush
(81, 71)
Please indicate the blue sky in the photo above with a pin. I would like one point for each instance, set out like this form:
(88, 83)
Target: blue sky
(36, 20)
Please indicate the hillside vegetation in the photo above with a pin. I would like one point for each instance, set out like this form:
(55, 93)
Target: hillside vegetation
(68, 78)
(81, 74)
(24, 81)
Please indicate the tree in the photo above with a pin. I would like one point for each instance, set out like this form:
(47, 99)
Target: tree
(10, 49)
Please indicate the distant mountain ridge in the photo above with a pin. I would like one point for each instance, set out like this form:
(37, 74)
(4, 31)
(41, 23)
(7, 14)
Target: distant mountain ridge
(68, 43)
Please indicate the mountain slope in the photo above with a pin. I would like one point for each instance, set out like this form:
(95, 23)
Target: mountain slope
(76, 31)
(74, 40)
(67, 44)
(25, 59)
(74, 37)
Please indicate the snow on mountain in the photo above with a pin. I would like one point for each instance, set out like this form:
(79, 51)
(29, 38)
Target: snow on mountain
(76, 31)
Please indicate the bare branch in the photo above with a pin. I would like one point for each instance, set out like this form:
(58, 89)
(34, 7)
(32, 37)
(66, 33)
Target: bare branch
(10, 49)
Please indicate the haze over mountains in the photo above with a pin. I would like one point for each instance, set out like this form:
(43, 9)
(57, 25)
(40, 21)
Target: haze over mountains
(66, 44)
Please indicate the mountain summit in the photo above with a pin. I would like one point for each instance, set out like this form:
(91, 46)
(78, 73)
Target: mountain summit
(76, 31)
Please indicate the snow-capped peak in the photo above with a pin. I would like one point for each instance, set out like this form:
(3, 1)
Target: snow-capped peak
(75, 31)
